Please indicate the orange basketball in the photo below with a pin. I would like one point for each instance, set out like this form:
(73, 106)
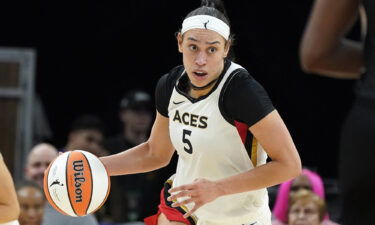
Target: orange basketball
(76, 183)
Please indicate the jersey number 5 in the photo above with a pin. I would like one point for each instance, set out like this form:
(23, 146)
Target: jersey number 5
(187, 141)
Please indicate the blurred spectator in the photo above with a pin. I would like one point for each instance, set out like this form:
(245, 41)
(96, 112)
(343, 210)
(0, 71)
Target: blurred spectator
(32, 201)
(306, 208)
(308, 180)
(136, 114)
(129, 201)
(38, 160)
(86, 133)
(9, 207)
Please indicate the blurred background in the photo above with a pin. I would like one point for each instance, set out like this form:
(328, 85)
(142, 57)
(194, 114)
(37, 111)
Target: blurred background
(89, 53)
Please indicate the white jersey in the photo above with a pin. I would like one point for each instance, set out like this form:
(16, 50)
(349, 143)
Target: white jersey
(210, 147)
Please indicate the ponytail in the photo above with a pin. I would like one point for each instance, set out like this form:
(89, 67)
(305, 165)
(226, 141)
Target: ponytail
(217, 4)
(213, 8)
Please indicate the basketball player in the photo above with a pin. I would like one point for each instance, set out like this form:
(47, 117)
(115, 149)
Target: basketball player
(326, 51)
(222, 124)
(9, 207)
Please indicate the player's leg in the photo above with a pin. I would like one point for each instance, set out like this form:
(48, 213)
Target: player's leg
(162, 220)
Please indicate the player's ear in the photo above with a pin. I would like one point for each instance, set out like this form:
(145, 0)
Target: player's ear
(179, 41)
(227, 47)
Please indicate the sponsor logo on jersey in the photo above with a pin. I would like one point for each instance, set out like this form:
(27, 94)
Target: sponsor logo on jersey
(190, 119)
(176, 103)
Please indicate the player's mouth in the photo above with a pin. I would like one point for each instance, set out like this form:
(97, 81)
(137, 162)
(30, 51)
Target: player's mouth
(200, 75)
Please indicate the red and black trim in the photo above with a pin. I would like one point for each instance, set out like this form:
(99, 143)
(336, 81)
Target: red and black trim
(182, 210)
(249, 141)
(172, 213)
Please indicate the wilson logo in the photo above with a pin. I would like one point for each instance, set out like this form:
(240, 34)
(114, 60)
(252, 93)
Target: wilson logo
(79, 179)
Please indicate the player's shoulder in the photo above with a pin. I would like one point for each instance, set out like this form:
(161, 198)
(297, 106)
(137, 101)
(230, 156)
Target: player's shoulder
(240, 83)
(168, 80)
(174, 74)
(164, 89)
(176, 71)
(239, 76)
(241, 73)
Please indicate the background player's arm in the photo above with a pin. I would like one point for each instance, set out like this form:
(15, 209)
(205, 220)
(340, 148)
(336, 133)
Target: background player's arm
(324, 48)
(153, 154)
(9, 207)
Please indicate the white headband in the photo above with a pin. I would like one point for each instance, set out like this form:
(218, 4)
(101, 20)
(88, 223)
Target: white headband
(206, 22)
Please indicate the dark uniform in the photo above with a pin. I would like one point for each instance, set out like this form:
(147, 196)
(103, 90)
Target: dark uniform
(357, 165)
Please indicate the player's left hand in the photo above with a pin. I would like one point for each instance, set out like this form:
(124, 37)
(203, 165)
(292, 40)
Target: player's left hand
(200, 192)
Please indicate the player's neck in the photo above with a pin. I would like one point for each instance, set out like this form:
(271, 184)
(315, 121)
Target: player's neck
(196, 92)
(199, 93)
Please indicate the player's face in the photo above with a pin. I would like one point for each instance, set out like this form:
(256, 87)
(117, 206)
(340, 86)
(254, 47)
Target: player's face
(203, 55)
(302, 213)
(38, 162)
(32, 206)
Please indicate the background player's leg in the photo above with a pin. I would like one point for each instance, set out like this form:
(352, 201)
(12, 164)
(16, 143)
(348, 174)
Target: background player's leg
(357, 166)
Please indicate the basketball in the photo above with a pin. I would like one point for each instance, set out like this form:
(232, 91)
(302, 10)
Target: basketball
(76, 183)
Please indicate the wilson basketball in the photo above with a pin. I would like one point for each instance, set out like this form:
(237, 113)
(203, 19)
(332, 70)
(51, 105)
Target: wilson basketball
(76, 183)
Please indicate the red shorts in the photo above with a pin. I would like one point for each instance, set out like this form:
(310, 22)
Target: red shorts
(172, 213)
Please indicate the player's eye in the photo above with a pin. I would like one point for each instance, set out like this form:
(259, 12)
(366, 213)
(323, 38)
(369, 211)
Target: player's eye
(193, 47)
(212, 50)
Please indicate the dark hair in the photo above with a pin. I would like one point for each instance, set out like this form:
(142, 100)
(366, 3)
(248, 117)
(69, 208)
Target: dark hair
(88, 122)
(213, 8)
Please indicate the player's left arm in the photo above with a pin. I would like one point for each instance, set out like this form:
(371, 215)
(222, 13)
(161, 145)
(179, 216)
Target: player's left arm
(274, 137)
